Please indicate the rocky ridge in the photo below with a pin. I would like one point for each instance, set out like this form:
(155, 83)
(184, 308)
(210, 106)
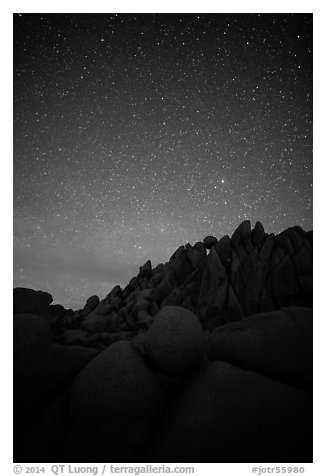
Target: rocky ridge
(175, 365)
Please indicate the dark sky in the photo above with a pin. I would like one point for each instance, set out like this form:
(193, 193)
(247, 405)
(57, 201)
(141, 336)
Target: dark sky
(137, 133)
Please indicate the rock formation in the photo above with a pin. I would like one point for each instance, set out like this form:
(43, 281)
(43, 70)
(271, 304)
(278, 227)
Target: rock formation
(188, 362)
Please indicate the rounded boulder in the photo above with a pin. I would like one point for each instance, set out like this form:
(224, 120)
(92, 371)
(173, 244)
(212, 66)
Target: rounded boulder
(209, 242)
(111, 405)
(175, 341)
(116, 383)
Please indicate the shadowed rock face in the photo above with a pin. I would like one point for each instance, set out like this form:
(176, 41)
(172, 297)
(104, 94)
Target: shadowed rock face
(276, 343)
(28, 300)
(187, 362)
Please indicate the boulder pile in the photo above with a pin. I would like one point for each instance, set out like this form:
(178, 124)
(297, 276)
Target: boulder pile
(206, 358)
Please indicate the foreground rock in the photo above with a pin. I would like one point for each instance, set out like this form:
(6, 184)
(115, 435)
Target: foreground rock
(225, 414)
(28, 300)
(111, 404)
(277, 344)
(175, 341)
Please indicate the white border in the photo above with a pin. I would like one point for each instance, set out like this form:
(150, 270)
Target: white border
(168, 6)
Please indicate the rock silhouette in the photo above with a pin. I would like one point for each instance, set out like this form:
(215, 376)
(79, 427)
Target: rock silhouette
(28, 300)
(206, 358)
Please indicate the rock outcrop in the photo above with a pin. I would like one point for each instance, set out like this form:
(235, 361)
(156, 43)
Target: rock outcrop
(28, 300)
(187, 362)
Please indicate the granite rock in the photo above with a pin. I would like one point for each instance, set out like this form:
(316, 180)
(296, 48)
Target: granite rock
(175, 341)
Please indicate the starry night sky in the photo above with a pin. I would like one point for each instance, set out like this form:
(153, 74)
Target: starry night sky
(137, 133)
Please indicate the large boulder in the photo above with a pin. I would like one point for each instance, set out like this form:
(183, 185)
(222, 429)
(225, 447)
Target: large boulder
(111, 405)
(247, 280)
(41, 369)
(283, 283)
(283, 241)
(91, 303)
(196, 255)
(267, 248)
(258, 233)
(180, 264)
(30, 301)
(166, 285)
(228, 415)
(241, 239)
(146, 270)
(213, 291)
(224, 250)
(116, 382)
(277, 344)
(175, 341)
(115, 291)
